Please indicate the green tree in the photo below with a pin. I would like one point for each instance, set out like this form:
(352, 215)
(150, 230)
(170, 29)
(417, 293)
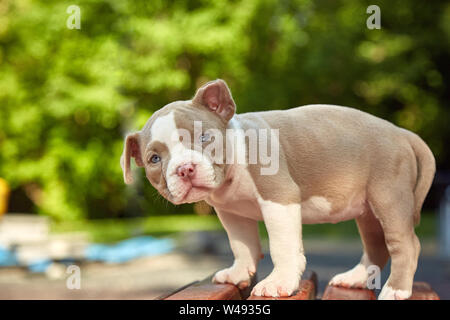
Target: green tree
(68, 96)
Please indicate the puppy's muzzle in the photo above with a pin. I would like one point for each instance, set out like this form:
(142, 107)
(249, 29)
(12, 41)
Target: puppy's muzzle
(186, 171)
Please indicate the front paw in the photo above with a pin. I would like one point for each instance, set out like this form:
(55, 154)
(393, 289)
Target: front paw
(354, 278)
(237, 275)
(277, 284)
(389, 293)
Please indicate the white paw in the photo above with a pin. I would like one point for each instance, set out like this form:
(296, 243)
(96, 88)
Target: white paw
(237, 275)
(354, 278)
(277, 284)
(388, 293)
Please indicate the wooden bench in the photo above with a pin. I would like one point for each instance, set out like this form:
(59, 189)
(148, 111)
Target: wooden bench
(206, 290)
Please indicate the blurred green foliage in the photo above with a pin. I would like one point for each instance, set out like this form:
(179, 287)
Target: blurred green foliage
(67, 97)
(112, 230)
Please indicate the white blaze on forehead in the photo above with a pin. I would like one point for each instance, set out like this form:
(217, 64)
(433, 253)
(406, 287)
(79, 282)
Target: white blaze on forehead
(163, 130)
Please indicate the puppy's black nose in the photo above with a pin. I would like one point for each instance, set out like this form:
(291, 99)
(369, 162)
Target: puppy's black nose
(186, 170)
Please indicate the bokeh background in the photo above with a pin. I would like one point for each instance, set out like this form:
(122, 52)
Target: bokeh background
(68, 96)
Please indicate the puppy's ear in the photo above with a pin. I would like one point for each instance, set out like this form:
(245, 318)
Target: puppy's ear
(130, 149)
(217, 97)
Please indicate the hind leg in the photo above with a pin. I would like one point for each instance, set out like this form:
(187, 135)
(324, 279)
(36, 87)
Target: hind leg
(375, 253)
(394, 208)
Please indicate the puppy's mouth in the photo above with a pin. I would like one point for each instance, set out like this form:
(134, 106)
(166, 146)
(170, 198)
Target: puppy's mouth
(192, 186)
(195, 193)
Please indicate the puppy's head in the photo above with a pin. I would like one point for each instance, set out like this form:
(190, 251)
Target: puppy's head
(170, 146)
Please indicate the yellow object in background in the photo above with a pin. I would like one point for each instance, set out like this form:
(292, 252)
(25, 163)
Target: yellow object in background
(4, 196)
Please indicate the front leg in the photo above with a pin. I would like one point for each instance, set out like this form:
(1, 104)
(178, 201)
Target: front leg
(283, 224)
(244, 241)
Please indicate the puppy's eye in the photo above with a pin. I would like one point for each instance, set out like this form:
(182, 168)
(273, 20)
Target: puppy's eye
(204, 137)
(155, 158)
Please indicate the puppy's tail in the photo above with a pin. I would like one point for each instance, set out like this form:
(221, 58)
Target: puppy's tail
(426, 169)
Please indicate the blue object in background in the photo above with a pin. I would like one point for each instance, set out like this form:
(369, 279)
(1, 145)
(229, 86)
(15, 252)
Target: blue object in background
(7, 257)
(121, 252)
(39, 266)
(129, 249)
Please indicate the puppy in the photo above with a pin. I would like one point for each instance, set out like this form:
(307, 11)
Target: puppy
(327, 164)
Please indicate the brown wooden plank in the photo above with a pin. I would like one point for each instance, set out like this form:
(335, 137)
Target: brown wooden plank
(307, 289)
(164, 296)
(340, 293)
(423, 291)
(206, 290)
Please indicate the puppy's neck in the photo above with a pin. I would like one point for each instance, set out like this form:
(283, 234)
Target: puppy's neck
(238, 144)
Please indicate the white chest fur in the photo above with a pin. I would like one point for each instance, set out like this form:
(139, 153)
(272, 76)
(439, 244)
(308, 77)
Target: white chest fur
(238, 195)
